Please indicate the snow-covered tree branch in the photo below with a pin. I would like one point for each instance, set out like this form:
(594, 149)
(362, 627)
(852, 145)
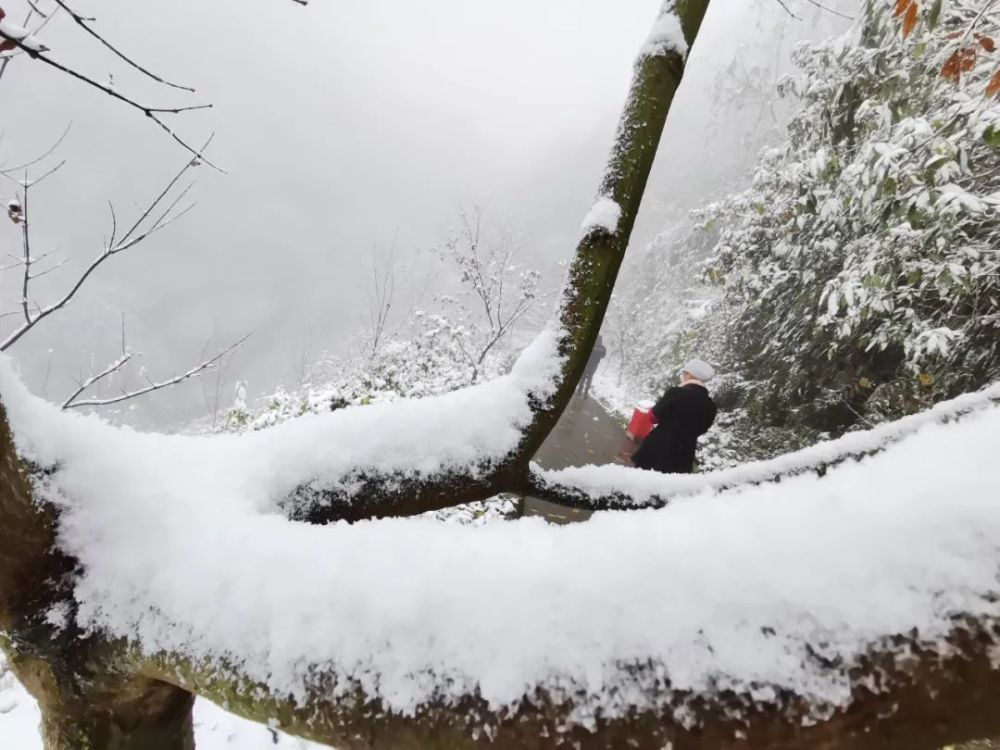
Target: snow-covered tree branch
(76, 401)
(776, 609)
(526, 405)
(376, 491)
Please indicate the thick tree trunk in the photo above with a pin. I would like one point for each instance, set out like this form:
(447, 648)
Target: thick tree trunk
(87, 697)
(90, 697)
(159, 719)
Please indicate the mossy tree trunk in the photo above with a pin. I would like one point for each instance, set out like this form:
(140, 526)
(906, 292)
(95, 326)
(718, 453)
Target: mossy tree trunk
(90, 699)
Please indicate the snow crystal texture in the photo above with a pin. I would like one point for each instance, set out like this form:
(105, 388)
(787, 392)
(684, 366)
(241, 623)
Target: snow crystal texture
(604, 214)
(667, 34)
(181, 550)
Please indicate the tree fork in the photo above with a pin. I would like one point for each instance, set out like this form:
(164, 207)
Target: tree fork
(94, 695)
(89, 698)
(592, 277)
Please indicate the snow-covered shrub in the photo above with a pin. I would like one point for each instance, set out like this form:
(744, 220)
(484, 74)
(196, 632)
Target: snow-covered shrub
(863, 261)
(466, 335)
(858, 277)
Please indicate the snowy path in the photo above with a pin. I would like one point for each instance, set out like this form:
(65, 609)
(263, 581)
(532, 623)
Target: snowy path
(586, 434)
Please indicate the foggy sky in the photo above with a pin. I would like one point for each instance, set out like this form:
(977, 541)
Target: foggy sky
(343, 126)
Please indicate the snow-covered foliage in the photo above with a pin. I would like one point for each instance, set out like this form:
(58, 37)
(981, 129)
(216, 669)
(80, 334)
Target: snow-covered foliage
(727, 599)
(425, 361)
(863, 261)
(461, 337)
(858, 278)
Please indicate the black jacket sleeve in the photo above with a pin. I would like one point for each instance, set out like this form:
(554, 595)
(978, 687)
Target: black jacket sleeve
(662, 407)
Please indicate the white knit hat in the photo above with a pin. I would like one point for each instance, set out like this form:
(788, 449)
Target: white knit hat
(699, 369)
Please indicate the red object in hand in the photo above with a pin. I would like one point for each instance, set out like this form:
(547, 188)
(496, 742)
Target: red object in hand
(641, 423)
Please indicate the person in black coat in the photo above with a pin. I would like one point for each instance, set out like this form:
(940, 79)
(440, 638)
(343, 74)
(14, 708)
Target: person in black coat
(596, 355)
(682, 415)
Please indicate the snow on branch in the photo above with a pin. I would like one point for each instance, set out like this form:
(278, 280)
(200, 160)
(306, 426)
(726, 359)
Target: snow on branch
(17, 36)
(803, 602)
(427, 457)
(726, 603)
(616, 487)
(667, 35)
(74, 401)
(604, 214)
(13, 37)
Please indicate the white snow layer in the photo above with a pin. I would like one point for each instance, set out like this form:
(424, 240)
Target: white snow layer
(641, 487)
(181, 551)
(604, 214)
(667, 34)
(20, 34)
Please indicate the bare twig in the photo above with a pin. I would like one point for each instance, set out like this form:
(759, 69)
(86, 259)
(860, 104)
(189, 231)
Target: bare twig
(43, 157)
(788, 10)
(135, 235)
(381, 295)
(49, 270)
(82, 22)
(209, 364)
(114, 224)
(83, 386)
(163, 194)
(36, 9)
(45, 175)
(26, 246)
(153, 113)
(828, 9)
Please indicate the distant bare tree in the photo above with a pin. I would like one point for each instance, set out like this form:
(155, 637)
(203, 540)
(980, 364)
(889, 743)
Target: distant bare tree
(502, 292)
(381, 298)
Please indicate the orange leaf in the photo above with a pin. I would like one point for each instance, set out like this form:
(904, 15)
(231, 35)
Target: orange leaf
(950, 70)
(910, 22)
(903, 6)
(961, 61)
(987, 43)
(993, 87)
(967, 59)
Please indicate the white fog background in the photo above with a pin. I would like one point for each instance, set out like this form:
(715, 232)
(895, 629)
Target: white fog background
(346, 127)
